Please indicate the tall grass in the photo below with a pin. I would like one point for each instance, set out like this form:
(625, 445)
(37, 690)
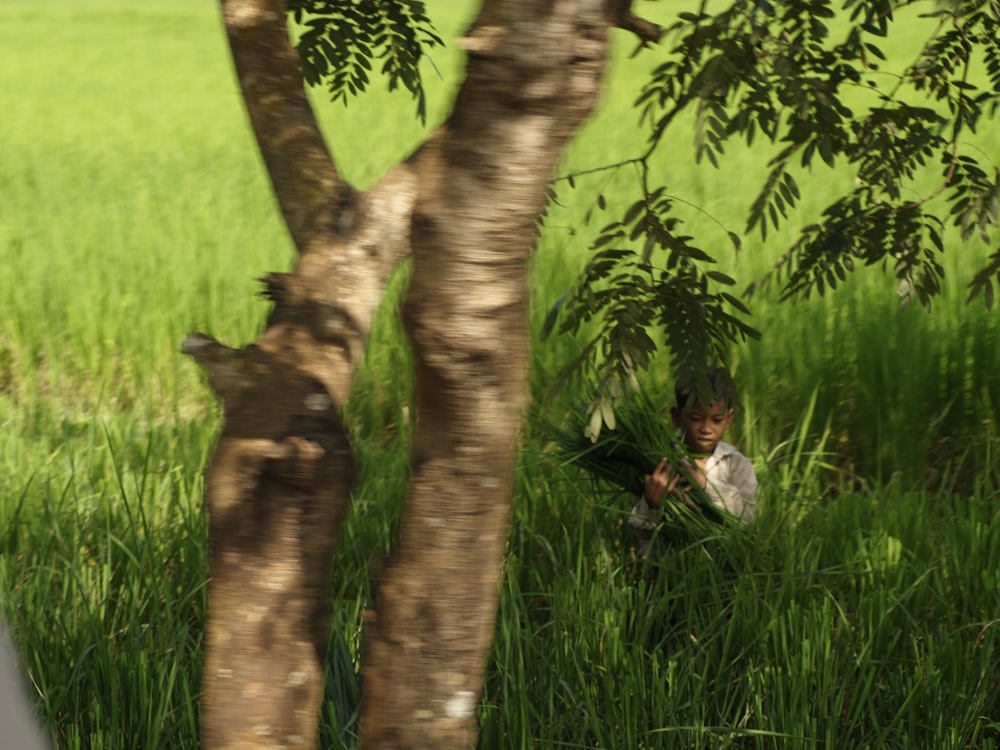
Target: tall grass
(853, 622)
(859, 610)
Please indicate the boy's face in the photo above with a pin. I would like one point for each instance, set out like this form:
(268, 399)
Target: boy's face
(703, 426)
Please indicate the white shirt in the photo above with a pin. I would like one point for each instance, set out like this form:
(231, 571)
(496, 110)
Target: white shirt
(732, 482)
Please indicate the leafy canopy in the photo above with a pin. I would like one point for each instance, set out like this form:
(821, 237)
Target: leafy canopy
(805, 76)
(808, 77)
(342, 40)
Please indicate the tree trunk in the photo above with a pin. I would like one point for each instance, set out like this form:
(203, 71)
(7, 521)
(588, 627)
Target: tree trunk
(534, 73)
(280, 479)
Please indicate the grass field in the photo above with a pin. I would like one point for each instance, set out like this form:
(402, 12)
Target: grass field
(859, 611)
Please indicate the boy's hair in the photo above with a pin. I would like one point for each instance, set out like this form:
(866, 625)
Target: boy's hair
(694, 384)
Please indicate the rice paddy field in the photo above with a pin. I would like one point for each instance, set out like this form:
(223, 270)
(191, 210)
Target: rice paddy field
(860, 610)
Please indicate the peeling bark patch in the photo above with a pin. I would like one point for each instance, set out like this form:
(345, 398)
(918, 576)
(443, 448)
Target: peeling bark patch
(253, 690)
(243, 15)
(336, 324)
(317, 402)
(460, 705)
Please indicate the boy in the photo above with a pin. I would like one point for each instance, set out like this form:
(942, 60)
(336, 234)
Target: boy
(716, 467)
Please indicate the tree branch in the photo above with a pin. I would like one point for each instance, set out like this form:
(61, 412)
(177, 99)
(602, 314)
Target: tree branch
(619, 13)
(316, 203)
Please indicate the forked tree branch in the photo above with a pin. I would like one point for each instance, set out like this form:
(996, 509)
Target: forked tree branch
(280, 479)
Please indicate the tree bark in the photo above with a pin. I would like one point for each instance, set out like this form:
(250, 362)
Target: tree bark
(280, 479)
(534, 73)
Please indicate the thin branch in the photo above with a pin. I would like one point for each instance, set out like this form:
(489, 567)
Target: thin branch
(619, 13)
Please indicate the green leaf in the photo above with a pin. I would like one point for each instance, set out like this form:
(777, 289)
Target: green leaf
(735, 303)
(721, 278)
(875, 51)
(553, 314)
(633, 212)
(608, 413)
(593, 428)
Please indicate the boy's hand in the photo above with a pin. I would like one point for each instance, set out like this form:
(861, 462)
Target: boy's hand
(665, 479)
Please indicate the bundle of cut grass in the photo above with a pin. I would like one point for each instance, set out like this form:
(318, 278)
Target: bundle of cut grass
(620, 455)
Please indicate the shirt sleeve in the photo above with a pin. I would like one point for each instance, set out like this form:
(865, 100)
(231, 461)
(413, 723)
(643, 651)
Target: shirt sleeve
(732, 485)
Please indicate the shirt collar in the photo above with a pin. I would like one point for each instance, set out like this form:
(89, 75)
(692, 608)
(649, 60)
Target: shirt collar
(722, 449)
